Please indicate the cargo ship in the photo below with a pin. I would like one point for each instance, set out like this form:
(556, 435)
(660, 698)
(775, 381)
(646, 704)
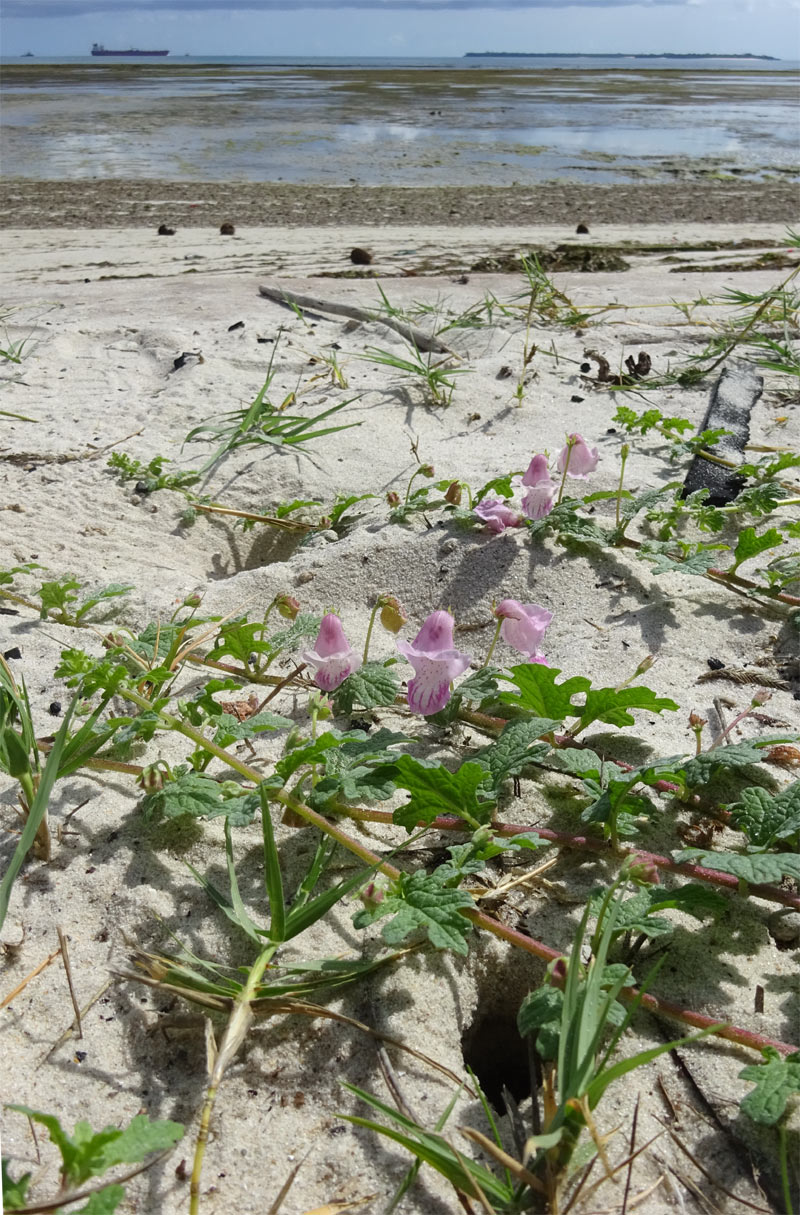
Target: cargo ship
(99, 49)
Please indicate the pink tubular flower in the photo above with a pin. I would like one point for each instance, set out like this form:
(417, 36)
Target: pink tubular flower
(333, 658)
(523, 626)
(497, 514)
(435, 664)
(577, 457)
(541, 493)
(537, 471)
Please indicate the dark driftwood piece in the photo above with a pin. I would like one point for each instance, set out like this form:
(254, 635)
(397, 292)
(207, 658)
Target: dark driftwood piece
(421, 340)
(732, 400)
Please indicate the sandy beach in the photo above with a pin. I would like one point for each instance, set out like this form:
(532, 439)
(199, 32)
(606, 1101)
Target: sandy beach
(128, 341)
(124, 203)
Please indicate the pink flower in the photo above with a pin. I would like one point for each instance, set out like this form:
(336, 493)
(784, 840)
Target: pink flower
(577, 457)
(537, 471)
(523, 626)
(333, 658)
(435, 664)
(541, 494)
(497, 514)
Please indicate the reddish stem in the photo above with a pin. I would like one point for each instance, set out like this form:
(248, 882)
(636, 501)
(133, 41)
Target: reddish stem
(744, 1037)
(588, 843)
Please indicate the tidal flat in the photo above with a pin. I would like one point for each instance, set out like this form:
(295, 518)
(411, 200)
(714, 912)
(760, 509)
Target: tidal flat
(393, 126)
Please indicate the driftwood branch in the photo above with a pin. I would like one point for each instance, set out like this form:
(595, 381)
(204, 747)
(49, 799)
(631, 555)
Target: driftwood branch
(288, 299)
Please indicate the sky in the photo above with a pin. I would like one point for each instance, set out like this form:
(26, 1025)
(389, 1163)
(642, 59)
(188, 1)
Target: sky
(401, 27)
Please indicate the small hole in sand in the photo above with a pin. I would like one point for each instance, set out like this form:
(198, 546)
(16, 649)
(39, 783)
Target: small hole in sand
(492, 1047)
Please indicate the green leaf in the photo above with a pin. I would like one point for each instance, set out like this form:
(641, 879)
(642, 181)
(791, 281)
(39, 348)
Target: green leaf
(231, 729)
(540, 694)
(105, 1202)
(758, 868)
(199, 796)
(56, 596)
(765, 817)
(701, 769)
(639, 913)
(481, 685)
(666, 557)
(775, 1080)
(750, 545)
(310, 753)
(422, 901)
(14, 1192)
(434, 1149)
(577, 761)
(540, 1013)
(37, 811)
(514, 749)
(372, 686)
(612, 705)
(435, 791)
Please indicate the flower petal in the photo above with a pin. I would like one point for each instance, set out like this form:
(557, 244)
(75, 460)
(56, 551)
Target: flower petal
(577, 457)
(436, 634)
(537, 472)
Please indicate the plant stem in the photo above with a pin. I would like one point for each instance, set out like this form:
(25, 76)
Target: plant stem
(370, 626)
(490, 651)
(564, 474)
(581, 843)
(624, 453)
(235, 1034)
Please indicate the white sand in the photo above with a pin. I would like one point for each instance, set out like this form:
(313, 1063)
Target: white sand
(104, 315)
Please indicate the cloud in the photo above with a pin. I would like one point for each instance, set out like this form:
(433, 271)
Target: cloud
(74, 8)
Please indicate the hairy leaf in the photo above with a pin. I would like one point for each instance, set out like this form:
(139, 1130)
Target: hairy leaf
(87, 1153)
(775, 1080)
(758, 867)
(612, 705)
(516, 747)
(701, 768)
(540, 694)
(422, 901)
(199, 796)
(750, 545)
(434, 791)
(373, 686)
(765, 817)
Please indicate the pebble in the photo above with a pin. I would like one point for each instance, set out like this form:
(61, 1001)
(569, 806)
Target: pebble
(448, 546)
(303, 577)
(784, 925)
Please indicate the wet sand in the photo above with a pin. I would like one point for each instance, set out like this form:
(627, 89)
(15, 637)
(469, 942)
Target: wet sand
(449, 126)
(123, 203)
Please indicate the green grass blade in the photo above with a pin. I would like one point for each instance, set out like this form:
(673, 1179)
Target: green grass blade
(37, 811)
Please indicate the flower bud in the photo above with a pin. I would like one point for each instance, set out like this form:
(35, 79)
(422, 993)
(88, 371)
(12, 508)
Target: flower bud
(696, 721)
(153, 777)
(393, 498)
(193, 601)
(320, 704)
(644, 665)
(453, 493)
(425, 470)
(642, 870)
(372, 896)
(392, 615)
(287, 606)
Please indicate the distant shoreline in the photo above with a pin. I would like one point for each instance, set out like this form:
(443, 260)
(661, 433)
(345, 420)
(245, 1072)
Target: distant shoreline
(614, 55)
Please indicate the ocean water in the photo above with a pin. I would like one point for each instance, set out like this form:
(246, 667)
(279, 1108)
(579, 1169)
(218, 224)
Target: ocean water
(498, 121)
